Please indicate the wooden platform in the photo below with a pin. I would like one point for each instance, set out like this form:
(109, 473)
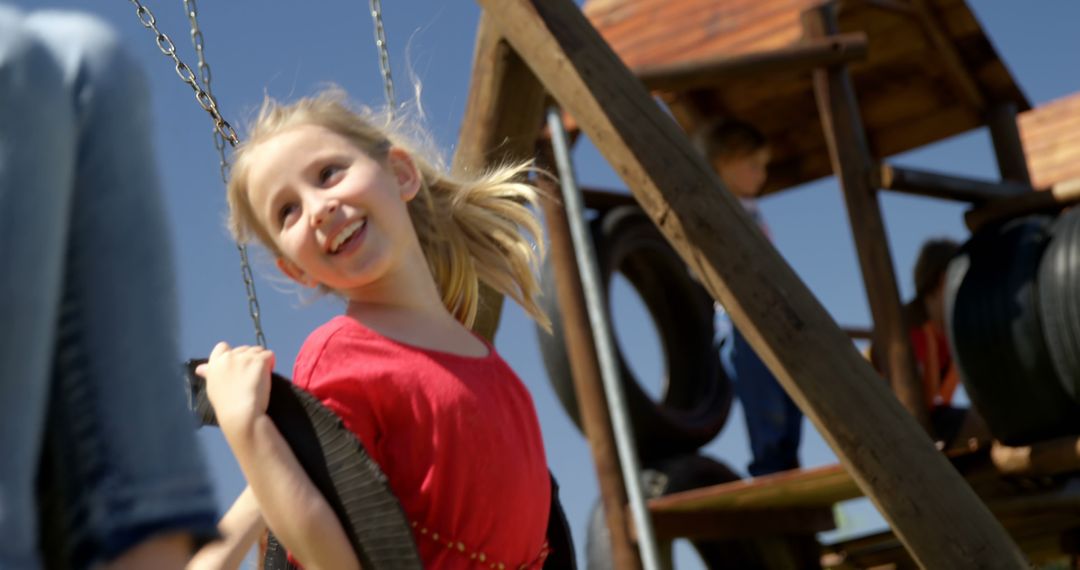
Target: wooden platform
(930, 71)
(1041, 512)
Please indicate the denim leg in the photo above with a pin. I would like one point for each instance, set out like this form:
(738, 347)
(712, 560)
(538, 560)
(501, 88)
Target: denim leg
(773, 421)
(37, 149)
(118, 409)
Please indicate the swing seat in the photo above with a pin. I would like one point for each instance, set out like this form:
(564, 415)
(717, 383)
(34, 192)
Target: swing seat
(352, 482)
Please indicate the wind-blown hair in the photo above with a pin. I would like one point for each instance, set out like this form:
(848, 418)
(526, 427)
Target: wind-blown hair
(480, 228)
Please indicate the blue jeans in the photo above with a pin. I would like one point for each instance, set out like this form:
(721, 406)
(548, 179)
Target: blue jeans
(88, 325)
(773, 421)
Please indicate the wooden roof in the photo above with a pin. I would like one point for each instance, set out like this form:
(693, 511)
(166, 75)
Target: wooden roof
(929, 74)
(1051, 135)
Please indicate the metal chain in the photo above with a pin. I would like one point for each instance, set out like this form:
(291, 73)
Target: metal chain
(223, 131)
(146, 17)
(205, 74)
(384, 55)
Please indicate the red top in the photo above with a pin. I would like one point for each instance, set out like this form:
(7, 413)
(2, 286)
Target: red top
(939, 376)
(457, 437)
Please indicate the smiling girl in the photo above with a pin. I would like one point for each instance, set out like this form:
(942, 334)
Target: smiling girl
(347, 207)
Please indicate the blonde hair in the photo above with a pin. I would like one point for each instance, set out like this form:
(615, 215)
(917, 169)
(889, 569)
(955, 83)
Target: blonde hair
(481, 228)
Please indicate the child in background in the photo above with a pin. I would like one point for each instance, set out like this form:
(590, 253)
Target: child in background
(740, 155)
(347, 206)
(925, 318)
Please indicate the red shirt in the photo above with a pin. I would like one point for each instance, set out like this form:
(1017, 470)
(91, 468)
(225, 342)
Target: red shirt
(457, 437)
(932, 354)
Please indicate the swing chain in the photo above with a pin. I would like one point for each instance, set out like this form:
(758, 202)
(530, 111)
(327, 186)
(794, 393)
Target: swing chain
(146, 17)
(223, 131)
(198, 40)
(384, 54)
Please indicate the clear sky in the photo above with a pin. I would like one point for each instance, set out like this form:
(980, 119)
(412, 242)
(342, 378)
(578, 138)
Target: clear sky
(289, 49)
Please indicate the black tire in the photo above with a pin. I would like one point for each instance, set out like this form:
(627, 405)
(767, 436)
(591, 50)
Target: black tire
(687, 472)
(994, 327)
(697, 396)
(1059, 300)
(339, 467)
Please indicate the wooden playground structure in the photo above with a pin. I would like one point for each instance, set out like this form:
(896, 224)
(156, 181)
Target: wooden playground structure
(836, 87)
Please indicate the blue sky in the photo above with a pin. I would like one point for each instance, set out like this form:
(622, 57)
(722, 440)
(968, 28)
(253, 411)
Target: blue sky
(278, 48)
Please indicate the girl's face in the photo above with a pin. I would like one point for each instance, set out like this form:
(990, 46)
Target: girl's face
(337, 215)
(745, 175)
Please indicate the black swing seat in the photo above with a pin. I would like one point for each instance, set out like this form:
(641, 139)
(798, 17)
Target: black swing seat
(352, 482)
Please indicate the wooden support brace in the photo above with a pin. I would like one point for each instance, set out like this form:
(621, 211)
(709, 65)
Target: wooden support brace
(503, 116)
(802, 58)
(1057, 197)
(937, 185)
(1008, 146)
(855, 168)
(887, 453)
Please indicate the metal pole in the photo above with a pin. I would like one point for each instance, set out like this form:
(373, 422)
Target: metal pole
(605, 347)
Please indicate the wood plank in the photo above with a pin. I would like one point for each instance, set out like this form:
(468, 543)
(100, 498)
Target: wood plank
(502, 119)
(853, 166)
(812, 358)
(801, 488)
(968, 89)
(720, 525)
(792, 60)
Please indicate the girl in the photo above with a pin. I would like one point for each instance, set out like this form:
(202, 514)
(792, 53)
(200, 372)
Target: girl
(346, 207)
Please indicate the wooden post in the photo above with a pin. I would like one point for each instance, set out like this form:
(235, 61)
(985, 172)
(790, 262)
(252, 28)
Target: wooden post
(1008, 147)
(585, 368)
(503, 117)
(887, 453)
(855, 169)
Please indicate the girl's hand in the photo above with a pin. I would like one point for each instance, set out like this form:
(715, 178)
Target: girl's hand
(238, 382)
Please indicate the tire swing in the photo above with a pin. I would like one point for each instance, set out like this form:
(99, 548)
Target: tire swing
(1059, 300)
(697, 394)
(992, 307)
(336, 462)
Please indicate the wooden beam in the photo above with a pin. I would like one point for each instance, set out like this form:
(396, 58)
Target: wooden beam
(888, 454)
(1008, 146)
(795, 59)
(937, 185)
(503, 116)
(585, 370)
(1057, 197)
(854, 168)
(727, 525)
(959, 75)
(897, 6)
(802, 488)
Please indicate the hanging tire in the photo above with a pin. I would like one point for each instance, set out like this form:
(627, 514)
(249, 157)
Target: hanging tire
(686, 472)
(697, 395)
(1059, 300)
(337, 464)
(995, 330)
